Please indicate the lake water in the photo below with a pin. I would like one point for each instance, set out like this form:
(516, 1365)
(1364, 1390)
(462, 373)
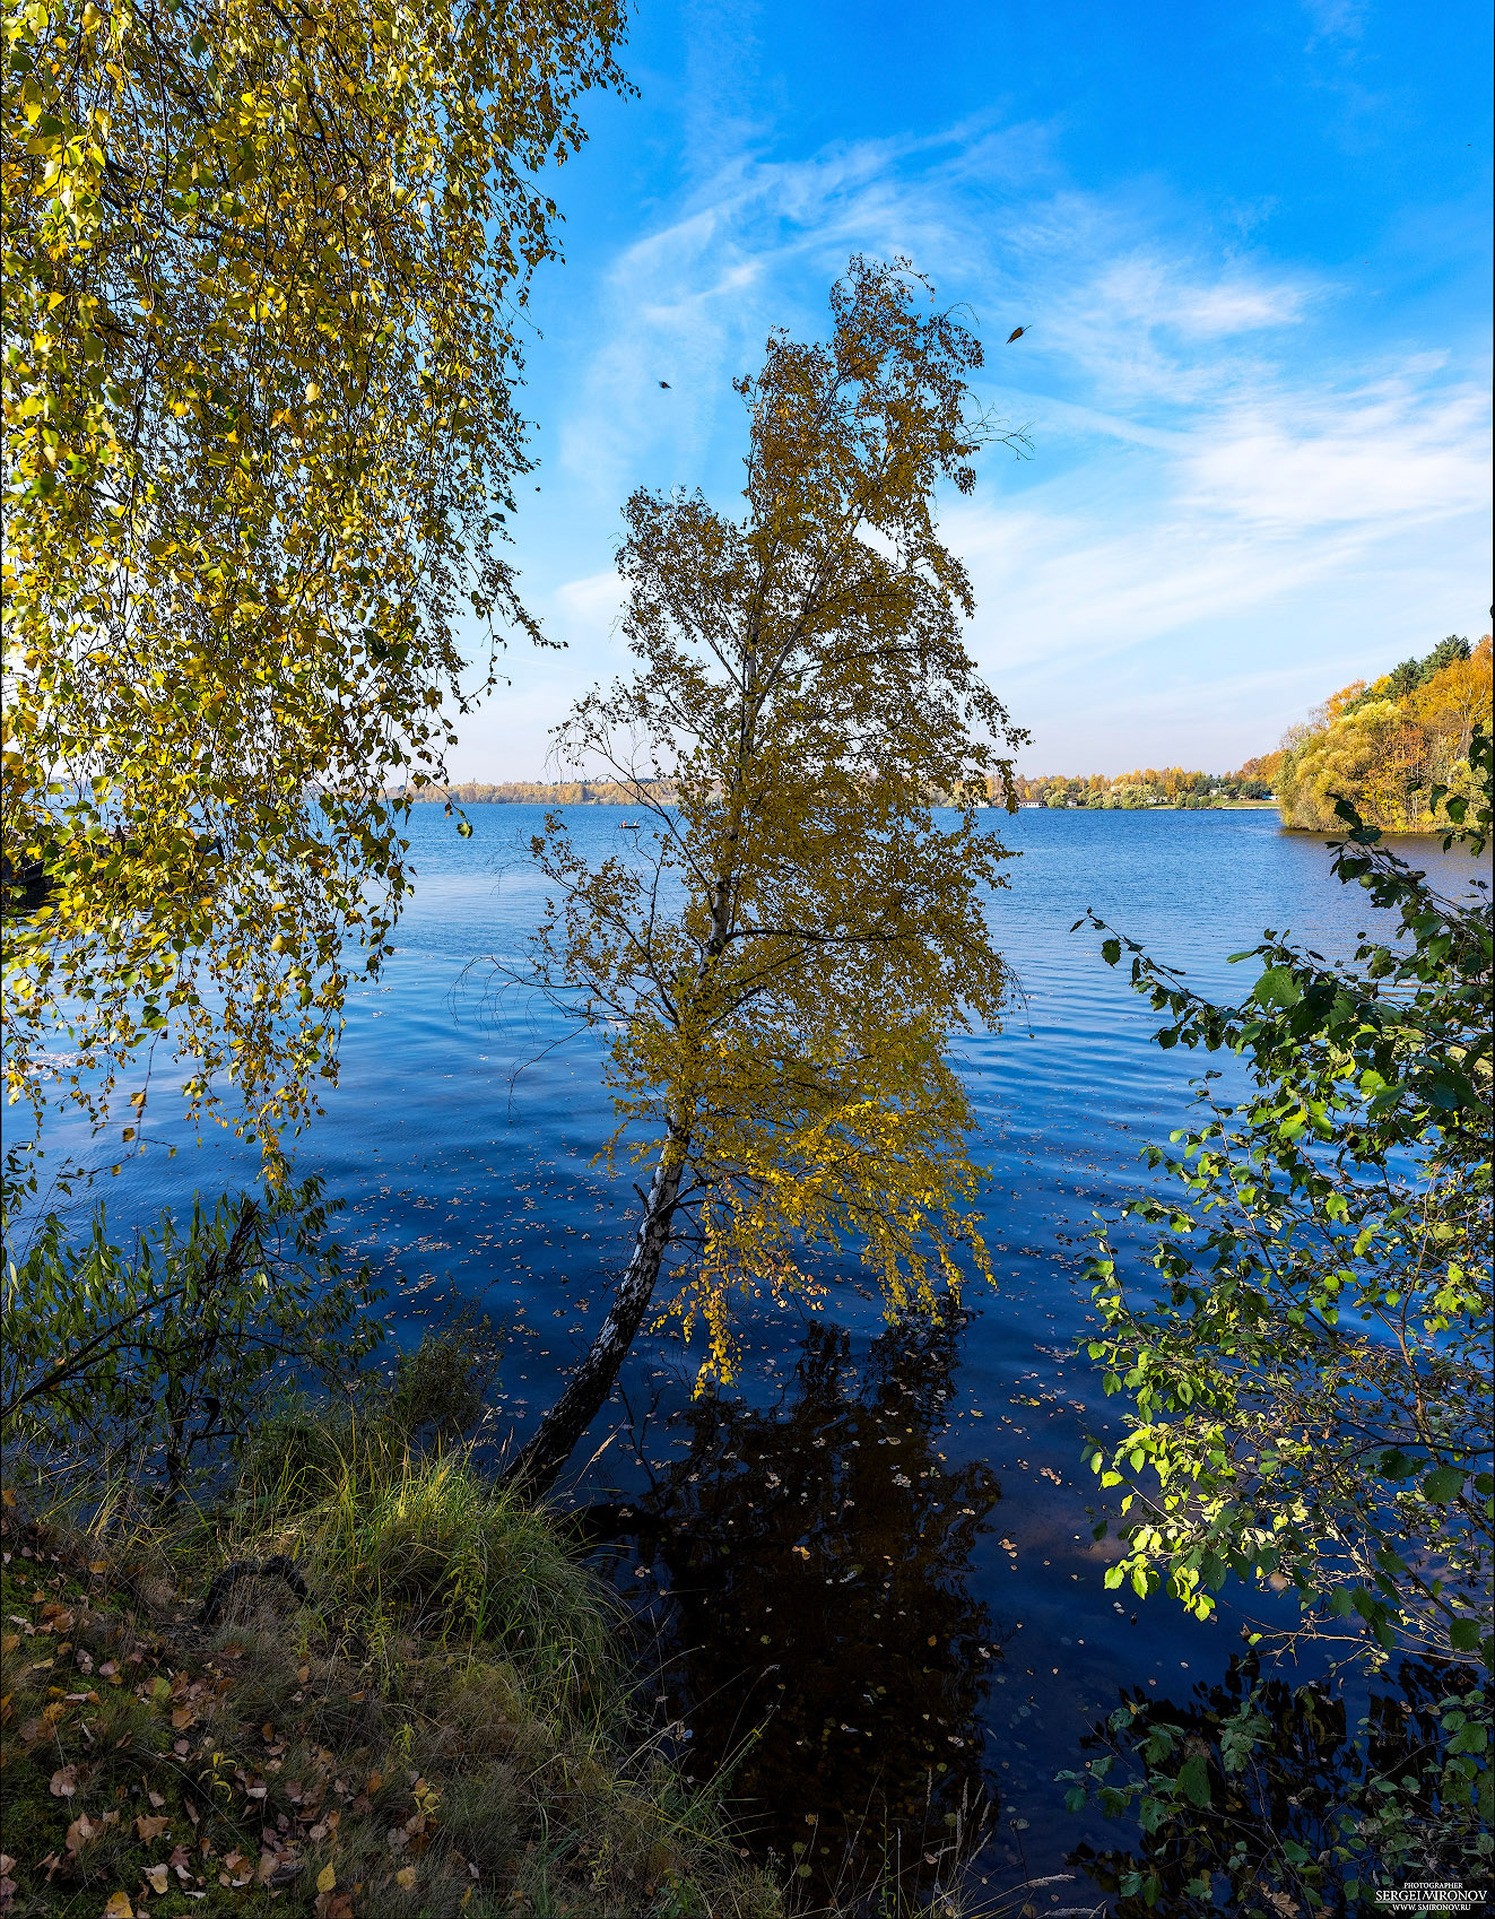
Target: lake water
(872, 1562)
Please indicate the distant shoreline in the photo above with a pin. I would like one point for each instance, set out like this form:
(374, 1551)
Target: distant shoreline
(595, 793)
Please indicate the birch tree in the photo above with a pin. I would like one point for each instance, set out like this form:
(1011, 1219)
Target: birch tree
(782, 969)
(263, 272)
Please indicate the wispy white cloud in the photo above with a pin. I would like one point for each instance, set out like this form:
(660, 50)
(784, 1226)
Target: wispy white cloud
(1223, 508)
(579, 608)
(1341, 21)
(1392, 453)
(1153, 292)
(1310, 533)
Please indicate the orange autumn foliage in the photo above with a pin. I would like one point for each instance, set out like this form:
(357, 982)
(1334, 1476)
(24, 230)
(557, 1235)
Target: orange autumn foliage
(1386, 745)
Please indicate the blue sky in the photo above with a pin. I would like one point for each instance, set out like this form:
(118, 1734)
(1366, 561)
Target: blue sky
(1253, 248)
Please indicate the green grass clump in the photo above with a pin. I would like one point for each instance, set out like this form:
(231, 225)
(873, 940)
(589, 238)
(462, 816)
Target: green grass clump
(442, 1727)
(423, 1544)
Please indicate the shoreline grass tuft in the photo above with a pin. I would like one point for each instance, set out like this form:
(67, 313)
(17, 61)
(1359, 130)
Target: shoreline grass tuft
(441, 1726)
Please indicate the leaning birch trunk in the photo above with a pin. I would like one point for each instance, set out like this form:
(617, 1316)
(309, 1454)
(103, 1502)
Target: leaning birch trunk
(534, 1469)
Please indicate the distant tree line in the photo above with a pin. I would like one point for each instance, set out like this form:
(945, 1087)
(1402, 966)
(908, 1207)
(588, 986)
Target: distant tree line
(544, 792)
(1148, 786)
(1381, 745)
(1166, 786)
(1385, 745)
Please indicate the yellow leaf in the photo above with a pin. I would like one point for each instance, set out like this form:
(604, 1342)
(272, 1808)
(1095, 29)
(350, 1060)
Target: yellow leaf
(117, 1906)
(405, 1877)
(326, 1878)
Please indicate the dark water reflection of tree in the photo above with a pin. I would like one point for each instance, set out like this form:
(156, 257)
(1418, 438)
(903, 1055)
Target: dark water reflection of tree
(1290, 1829)
(827, 1646)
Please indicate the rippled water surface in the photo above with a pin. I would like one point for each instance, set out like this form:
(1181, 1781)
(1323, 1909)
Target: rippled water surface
(874, 1561)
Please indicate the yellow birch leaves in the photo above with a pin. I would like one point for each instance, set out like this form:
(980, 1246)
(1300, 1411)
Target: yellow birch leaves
(260, 278)
(809, 928)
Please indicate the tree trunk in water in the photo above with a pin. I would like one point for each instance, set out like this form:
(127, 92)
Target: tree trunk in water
(534, 1470)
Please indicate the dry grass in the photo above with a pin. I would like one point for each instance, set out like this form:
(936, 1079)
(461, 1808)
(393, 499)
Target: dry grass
(440, 1729)
(442, 1726)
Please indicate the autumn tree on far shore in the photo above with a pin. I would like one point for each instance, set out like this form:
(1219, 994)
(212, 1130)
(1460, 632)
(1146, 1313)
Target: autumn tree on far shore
(783, 964)
(1384, 747)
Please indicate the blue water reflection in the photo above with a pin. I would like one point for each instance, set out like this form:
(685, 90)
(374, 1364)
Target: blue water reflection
(478, 1186)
